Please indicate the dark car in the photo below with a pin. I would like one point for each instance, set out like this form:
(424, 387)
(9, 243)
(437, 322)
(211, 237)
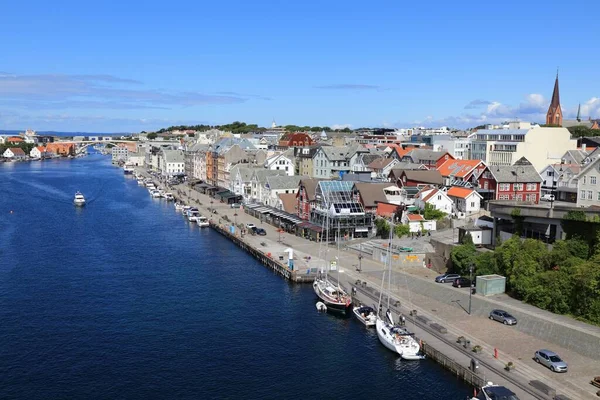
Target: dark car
(461, 282)
(260, 231)
(503, 316)
(446, 278)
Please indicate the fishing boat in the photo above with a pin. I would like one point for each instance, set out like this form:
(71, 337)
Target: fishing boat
(79, 200)
(366, 315)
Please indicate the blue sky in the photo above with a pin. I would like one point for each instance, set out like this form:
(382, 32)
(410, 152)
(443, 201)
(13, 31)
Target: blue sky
(129, 66)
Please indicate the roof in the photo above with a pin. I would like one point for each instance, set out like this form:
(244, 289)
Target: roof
(514, 173)
(371, 193)
(461, 192)
(282, 182)
(425, 176)
(430, 194)
(334, 153)
(245, 171)
(261, 174)
(310, 186)
(425, 154)
(386, 209)
(380, 163)
(415, 217)
(14, 139)
(577, 155)
(288, 200)
(17, 151)
(173, 156)
(555, 103)
(458, 168)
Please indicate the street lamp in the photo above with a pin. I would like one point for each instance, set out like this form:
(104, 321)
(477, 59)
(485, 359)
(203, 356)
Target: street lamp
(235, 218)
(471, 288)
(360, 257)
(211, 207)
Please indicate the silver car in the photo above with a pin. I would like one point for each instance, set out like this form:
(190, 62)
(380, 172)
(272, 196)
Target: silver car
(503, 316)
(551, 360)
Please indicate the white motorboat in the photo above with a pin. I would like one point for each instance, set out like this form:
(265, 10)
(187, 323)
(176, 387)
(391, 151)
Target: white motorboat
(79, 200)
(178, 206)
(128, 169)
(397, 338)
(491, 391)
(169, 196)
(202, 222)
(185, 210)
(193, 216)
(162, 193)
(155, 193)
(366, 315)
(140, 182)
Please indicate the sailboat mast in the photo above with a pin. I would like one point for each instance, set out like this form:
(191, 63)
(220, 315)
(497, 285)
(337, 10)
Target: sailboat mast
(338, 256)
(389, 259)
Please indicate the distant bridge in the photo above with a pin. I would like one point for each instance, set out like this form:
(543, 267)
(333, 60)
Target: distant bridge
(87, 143)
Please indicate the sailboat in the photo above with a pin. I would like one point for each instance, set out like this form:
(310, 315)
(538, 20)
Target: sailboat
(396, 338)
(333, 296)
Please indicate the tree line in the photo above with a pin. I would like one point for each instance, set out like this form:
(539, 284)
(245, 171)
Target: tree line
(564, 279)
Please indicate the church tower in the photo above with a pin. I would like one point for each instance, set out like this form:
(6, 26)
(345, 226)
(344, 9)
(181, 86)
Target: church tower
(554, 115)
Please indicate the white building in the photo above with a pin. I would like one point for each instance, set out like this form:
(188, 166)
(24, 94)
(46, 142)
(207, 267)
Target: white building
(466, 201)
(457, 147)
(37, 152)
(416, 223)
(588, 184)
(280, 163)
(540, 145)
(137, 159)
(276, 185)
(119, 154)
(333, 161)
(14, 153)
(171, 162)
(436, 197)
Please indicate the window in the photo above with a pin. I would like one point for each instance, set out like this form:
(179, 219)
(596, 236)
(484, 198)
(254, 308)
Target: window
(582, 195)
(504, 187)
(584, 179)
(519, 197)
(531, 187)
(472, 204)
(518, 186)
(592, 180)
(550, 173)
(503, 197)
(598, 196)
(590, 195)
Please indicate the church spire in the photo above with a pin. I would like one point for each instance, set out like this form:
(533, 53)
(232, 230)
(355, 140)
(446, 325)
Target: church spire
(554, 115)
(579, 113)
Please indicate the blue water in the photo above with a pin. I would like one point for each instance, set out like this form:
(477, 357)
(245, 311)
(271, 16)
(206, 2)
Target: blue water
(125, 300)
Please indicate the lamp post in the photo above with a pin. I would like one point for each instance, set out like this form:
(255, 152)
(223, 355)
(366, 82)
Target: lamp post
(471, 288)
(235, 219)
(211, 207)
(360, 257)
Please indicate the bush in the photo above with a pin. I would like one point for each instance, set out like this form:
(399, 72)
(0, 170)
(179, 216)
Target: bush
(402, 230)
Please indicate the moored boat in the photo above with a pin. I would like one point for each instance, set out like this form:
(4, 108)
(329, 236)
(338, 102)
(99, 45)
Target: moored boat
(202, 221)
(366, 315)
(490, 392)
(128, 168)
(169, 196)
(335, 298)
(397, 338)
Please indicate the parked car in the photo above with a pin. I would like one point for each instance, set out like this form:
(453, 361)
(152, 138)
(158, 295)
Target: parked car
(250, 226)
(461, 282)
(503, 316)
(260, 231)
(446, 278)
(551, 360)
(235, 205)
(547, 197)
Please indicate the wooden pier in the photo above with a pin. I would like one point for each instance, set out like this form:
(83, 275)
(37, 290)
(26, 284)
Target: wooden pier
(305, 275)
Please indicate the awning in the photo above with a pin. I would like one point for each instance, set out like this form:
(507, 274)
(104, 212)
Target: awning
(361, 229)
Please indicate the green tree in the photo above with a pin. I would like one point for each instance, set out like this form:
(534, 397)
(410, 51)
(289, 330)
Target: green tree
(463, 257)
(402, 230)
(152, 135)
(431, 213)
(383, 228)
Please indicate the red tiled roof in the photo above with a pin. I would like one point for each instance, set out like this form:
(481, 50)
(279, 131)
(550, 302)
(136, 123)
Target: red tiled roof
(386, 209)
(17, 151)
(415, 217)
(458, 168)
(461, 192)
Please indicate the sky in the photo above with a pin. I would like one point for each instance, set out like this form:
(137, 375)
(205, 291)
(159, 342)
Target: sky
(127, 66)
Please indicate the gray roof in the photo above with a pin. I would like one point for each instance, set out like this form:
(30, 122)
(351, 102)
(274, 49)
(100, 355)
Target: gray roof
(372, 193)
(567, 123)
(173, 156)
(577, 155)
(432, 176)
(262, 174)
(425, 154)
(408, 165)
(198, 147)
(369, 158)
(245, 171)
(283, 182)
(334, 153)
(515, 173)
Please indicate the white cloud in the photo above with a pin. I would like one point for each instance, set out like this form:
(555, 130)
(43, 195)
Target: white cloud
(341, 126)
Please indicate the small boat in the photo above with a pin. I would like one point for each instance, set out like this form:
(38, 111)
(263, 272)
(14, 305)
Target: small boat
(397, 338)
(193, 216)
(334, 297)
(366, 315)
(321, 306)
(162, 193)
(169, 196)
(185, 210)
(178, 206)
(79, 200)
(128, 169)
(202, 222)
(490, 391)
(140, 182)
(155, 193)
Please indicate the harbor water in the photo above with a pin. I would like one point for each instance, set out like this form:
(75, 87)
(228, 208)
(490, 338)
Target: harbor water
(123, 299)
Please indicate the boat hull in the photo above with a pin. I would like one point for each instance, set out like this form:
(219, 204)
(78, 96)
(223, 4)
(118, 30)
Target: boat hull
(366, 321)
(339, 307)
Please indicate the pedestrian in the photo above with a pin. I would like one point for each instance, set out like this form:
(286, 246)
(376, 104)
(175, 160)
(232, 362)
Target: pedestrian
(403, 320)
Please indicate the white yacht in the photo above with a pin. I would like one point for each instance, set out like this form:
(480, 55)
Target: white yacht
(202, 222)
(169, 196)
(193, 216)
(178, 206)
(491, 391)
(366, 315)
(155, 193)
(185, 210)
(79, 200)
(397, 339)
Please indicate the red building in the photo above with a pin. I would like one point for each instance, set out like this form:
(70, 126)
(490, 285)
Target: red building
(305, 197)
(295, 139)
(519, 182)
(431, 159)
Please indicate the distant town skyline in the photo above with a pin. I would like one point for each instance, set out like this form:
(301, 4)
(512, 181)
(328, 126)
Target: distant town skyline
(133, 67)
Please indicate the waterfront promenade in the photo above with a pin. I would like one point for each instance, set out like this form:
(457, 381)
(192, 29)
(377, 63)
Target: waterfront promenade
(414, 289)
